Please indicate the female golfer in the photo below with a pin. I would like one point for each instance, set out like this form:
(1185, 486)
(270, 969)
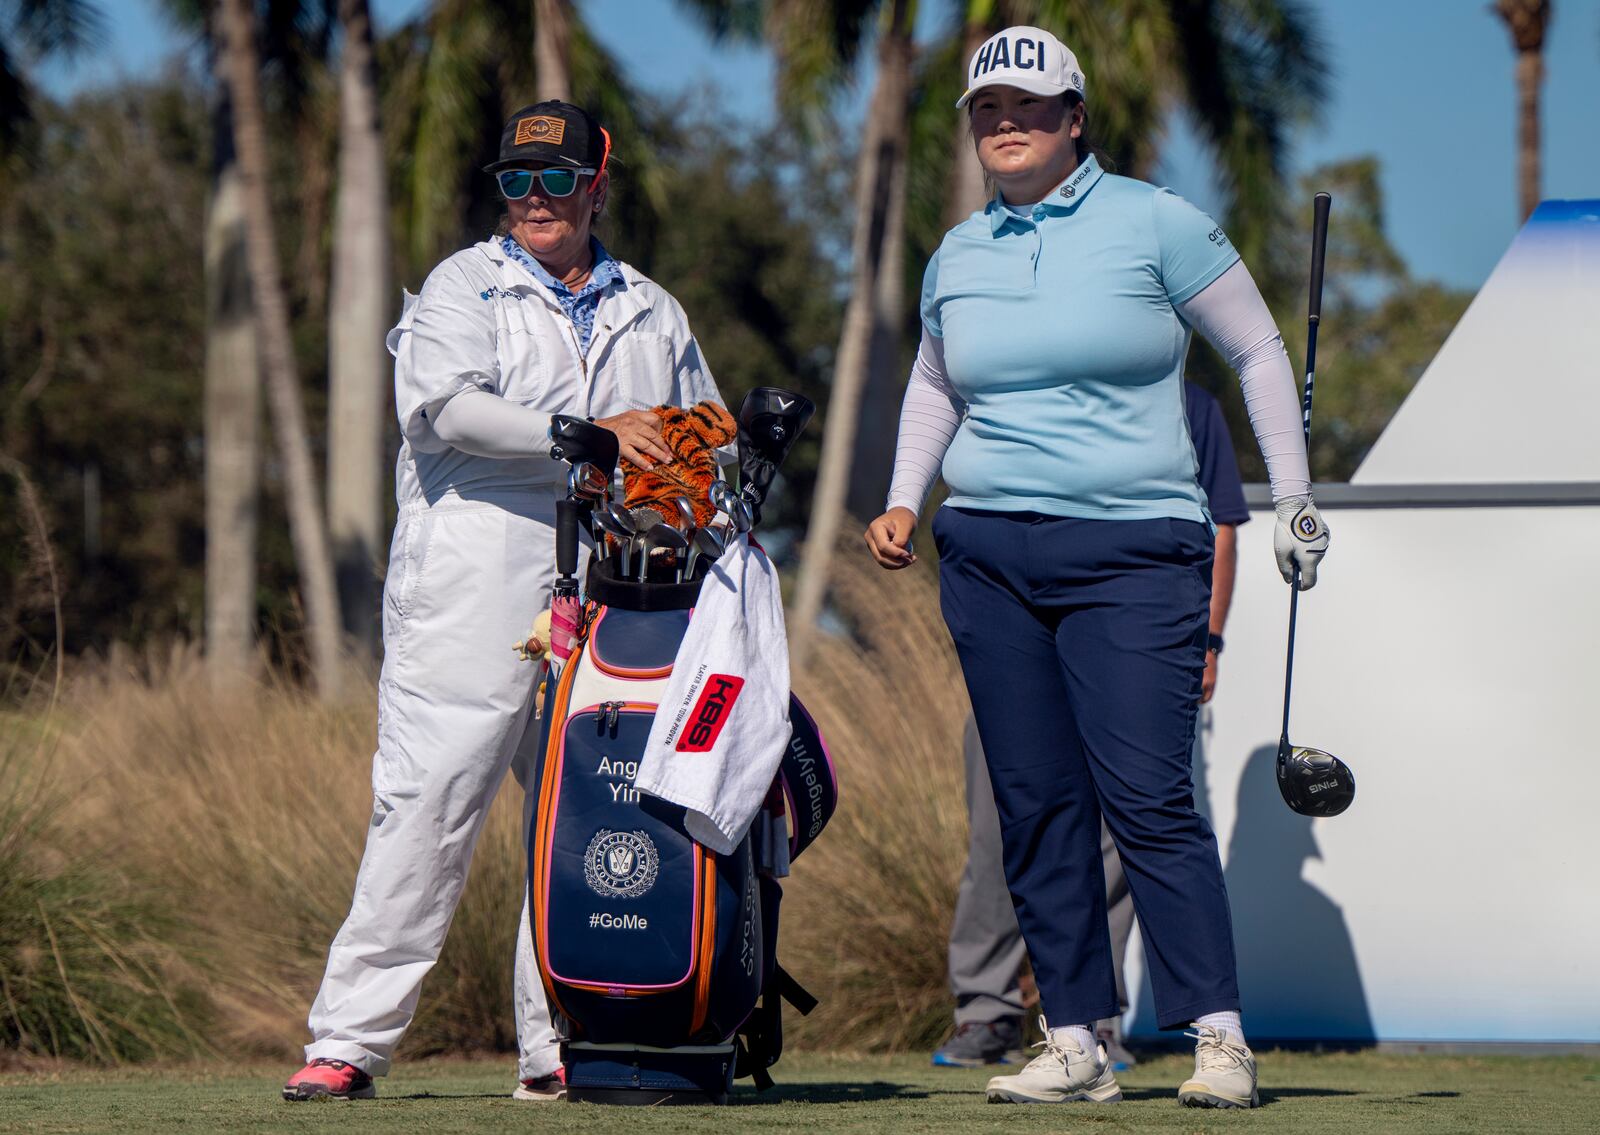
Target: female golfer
(536, 322)
(1075, 549)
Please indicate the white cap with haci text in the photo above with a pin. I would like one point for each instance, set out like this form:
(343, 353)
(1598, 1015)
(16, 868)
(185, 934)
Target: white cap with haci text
(1030, 59)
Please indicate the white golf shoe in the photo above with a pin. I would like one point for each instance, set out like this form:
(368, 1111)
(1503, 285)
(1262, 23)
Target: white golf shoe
(1224, 1073)
(1062, 1073)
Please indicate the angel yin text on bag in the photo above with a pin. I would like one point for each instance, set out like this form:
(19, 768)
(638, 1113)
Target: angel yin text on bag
(622, 791)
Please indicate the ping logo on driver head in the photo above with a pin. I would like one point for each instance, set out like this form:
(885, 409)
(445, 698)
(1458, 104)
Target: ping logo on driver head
(710, 713)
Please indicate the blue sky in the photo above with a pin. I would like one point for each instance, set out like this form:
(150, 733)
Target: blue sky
(1426, 85)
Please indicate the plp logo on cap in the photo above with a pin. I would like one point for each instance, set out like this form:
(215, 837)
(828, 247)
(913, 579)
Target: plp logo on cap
(551, 134)
(1030, 59)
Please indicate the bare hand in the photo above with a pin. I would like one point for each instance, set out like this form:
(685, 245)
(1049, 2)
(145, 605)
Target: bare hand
(1208, 684)
(889, 538)
(638, 438)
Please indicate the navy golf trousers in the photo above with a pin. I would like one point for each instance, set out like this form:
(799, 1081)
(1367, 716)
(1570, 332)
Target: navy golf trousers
(1083, 646)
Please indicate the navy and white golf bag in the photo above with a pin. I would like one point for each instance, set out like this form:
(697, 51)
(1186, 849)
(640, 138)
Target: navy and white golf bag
(658, 955)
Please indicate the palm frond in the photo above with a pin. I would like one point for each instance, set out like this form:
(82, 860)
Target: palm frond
(58, 27)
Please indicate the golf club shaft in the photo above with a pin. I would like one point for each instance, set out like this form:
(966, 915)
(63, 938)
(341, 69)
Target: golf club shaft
(1319, 250)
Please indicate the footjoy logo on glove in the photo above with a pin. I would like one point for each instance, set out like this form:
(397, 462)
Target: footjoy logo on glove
(710, 713)
(1309, 528)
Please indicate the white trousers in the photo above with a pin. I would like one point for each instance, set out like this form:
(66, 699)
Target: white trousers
(465, 580)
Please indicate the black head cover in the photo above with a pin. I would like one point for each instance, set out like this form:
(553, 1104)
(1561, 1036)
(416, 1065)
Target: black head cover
(1314, 783)
(574, 440)
(770, 421)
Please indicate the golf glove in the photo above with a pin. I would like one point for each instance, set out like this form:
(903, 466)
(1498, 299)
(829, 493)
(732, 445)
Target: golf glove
(1300, 541)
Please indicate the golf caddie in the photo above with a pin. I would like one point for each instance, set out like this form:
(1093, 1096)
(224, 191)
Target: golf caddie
(1076, 546)
(535, 321)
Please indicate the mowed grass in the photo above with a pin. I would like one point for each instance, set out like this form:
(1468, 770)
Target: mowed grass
(1343, 1093)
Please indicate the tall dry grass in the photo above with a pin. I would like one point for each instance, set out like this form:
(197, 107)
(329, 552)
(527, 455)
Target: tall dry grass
(867, 911)
(248, 811)
(242, 816)
(89, 966)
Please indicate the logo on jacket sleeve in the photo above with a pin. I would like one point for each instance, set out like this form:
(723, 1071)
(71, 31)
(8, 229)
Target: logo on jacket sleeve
(620, 865)
(710, 713)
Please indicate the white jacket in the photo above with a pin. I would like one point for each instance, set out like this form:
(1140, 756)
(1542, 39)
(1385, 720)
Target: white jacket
(483, 322)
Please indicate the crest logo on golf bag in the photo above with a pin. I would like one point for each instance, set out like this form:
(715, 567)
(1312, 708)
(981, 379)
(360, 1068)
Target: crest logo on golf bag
(621, 865)
(710, 713)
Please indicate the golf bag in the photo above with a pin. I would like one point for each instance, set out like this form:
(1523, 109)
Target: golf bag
(658, 955)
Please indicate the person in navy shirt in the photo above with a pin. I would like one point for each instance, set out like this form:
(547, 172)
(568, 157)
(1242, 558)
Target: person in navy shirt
(986, 949)
(1076, 550)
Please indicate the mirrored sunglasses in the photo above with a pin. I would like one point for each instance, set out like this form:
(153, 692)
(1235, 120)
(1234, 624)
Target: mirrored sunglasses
(515, 184)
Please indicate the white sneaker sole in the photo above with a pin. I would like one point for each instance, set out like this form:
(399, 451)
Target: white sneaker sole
(522, 1093)
(1199, 1095)
(1006, 1093)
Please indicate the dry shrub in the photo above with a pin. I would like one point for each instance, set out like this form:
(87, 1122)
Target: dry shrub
(867, 912)
(244, 812)
(248, 807)
(87, 967)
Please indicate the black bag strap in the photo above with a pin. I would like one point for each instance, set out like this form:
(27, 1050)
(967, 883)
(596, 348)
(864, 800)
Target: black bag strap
(785, 986)
(810, 786)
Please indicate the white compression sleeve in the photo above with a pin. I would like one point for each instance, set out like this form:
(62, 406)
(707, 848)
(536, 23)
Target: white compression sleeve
(486, 425)
(929, 418)
(1234, 318)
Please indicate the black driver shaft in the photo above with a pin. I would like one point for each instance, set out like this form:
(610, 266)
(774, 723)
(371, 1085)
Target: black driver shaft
(1319, 249)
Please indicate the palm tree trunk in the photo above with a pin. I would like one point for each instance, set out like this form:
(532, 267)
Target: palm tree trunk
(1527, 21)
(552, 50)
(357, 320)
(232, 418)
(967, 189)
(872, 458)
(306, 527)
(880, 180)
(1530, 77)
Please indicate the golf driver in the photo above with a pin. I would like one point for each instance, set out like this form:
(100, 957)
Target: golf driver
(575, 440)
(770, 422)
(1313, 782)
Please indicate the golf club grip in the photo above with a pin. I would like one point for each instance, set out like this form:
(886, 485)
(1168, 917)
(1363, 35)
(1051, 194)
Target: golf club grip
(1319, 249)
(567, 537)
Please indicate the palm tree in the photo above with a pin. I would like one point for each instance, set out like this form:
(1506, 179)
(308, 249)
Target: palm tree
(308, 533)
(232, 408)
(360, 303)
(552, 49)
(1527, 21)
(817, 44)
(32, 30)
(454, 89)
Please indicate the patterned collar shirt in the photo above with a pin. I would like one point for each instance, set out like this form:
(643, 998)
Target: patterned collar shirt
(580, 306)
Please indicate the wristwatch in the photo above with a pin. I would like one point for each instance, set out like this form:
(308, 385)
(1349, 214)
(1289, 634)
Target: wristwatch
(1214, 642)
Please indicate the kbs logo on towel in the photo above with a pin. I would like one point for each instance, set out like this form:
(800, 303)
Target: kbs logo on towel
(710, 713)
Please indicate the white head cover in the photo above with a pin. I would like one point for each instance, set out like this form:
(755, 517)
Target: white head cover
(1030, 59)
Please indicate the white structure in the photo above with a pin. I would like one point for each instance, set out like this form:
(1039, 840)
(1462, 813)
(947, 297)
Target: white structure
(1448, 655)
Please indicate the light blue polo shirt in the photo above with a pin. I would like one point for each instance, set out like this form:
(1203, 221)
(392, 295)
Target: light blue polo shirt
(1060, 334)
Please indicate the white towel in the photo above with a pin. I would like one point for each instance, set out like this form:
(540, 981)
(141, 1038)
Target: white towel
(723, 721)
